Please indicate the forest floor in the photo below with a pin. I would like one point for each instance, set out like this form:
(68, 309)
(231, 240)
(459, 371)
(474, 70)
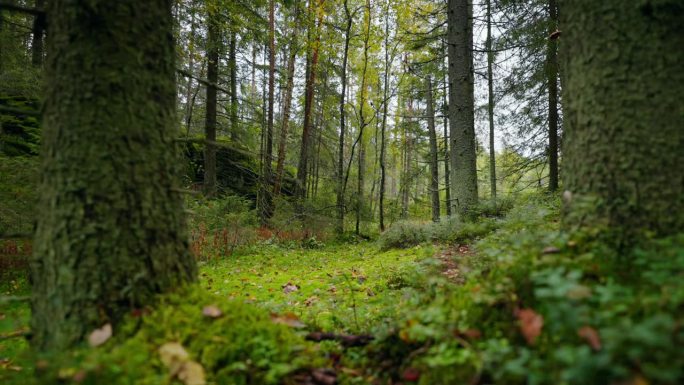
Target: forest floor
(503, 300)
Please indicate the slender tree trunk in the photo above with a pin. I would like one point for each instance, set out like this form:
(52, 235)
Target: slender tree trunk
(287, 105)
(189, 99)
(383, 127)
(37, 32)
(232, 63)
(112, 230)
(623, 87)
(490, 105)
(315, 12)
(552, 80)
(266, 211)
(362, 117)
(447, 174)
(343, 129)
(213, 43)
(461, 105)
(434, 165)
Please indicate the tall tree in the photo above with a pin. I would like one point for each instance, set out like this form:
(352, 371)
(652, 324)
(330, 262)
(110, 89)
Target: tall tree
(383, 127)
(552, 79)
(213, 43)
(287, 103)
(490, 104)
(434, 167)
(363, 119)
(623, 87)
(266, 211)
(343, 129)
(112, 230)
(315, 18)
(38, 30)
(232, 66)
(461, 105)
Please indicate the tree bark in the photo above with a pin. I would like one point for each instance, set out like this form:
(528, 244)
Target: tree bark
(343, 129)
(287, 105)
(315, 12)
(38, 32)
(232, 64)
(623, 87)
(112, 229)
(213, 42)
(447, 173)
(490, 105)
(266, 211)
(434, 166)
(552, 80)
(461, 105)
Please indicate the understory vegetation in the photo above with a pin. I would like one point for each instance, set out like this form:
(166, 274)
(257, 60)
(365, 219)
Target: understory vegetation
(507, 298)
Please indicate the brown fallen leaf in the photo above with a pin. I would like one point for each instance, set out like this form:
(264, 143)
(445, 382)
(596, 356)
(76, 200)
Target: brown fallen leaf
(211, 311)
(288, 319)
(531, 324)
(99, 336)
(590, 335)
(310, 301)
(324, 376)
(551, 250)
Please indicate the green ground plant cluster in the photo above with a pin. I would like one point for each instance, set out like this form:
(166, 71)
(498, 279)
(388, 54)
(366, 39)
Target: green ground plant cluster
(500, 297)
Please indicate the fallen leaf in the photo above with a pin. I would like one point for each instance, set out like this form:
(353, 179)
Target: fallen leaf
(99, 336)
(288, 319)
(311, 300)
(173, 355)
(531, 324)
(211, 311)
(290, 288)
(192, 373)
(590, 335)
(551, 250)
(324, 376)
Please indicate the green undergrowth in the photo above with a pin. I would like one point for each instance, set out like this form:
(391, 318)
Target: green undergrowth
(540, 306)
(239, 345)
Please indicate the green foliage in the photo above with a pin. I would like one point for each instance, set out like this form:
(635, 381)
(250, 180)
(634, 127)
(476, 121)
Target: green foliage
(241, 346)
(18, 180)
(403, 235)
(602, 321)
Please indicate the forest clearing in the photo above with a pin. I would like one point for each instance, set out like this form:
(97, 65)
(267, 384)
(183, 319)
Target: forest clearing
(324, 192)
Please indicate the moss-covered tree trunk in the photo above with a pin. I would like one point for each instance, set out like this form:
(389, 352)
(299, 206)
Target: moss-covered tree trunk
(624, 116)
(552, 79)
(112, 230)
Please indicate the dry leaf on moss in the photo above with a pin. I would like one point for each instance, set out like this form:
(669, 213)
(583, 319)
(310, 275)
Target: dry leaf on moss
(99, 336)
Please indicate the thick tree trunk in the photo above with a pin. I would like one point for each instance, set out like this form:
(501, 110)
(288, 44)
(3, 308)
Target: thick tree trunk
(112, 229)
(552, 80)
(213, 42)
(490, 105)
(461, 105)
(623, 87)
(434, 166)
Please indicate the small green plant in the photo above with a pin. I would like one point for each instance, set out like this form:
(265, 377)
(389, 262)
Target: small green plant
(404, 234)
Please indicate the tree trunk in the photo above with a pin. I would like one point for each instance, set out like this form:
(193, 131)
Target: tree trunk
(287, 105)
(490, 105)
(447, 174)
(434, 167)
(232, 64)
(363, 123)
(461, 105)
(37, 32)
(315, 12)
(213, 42)
(112, 232)
(343, 129)
(383, 127)
(266, 211)
(552, 79)
(623, 87)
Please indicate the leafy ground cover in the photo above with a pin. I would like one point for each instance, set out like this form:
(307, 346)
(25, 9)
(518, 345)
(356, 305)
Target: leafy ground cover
(511, 300)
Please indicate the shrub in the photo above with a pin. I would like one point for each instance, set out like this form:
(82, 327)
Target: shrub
(403, 235)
